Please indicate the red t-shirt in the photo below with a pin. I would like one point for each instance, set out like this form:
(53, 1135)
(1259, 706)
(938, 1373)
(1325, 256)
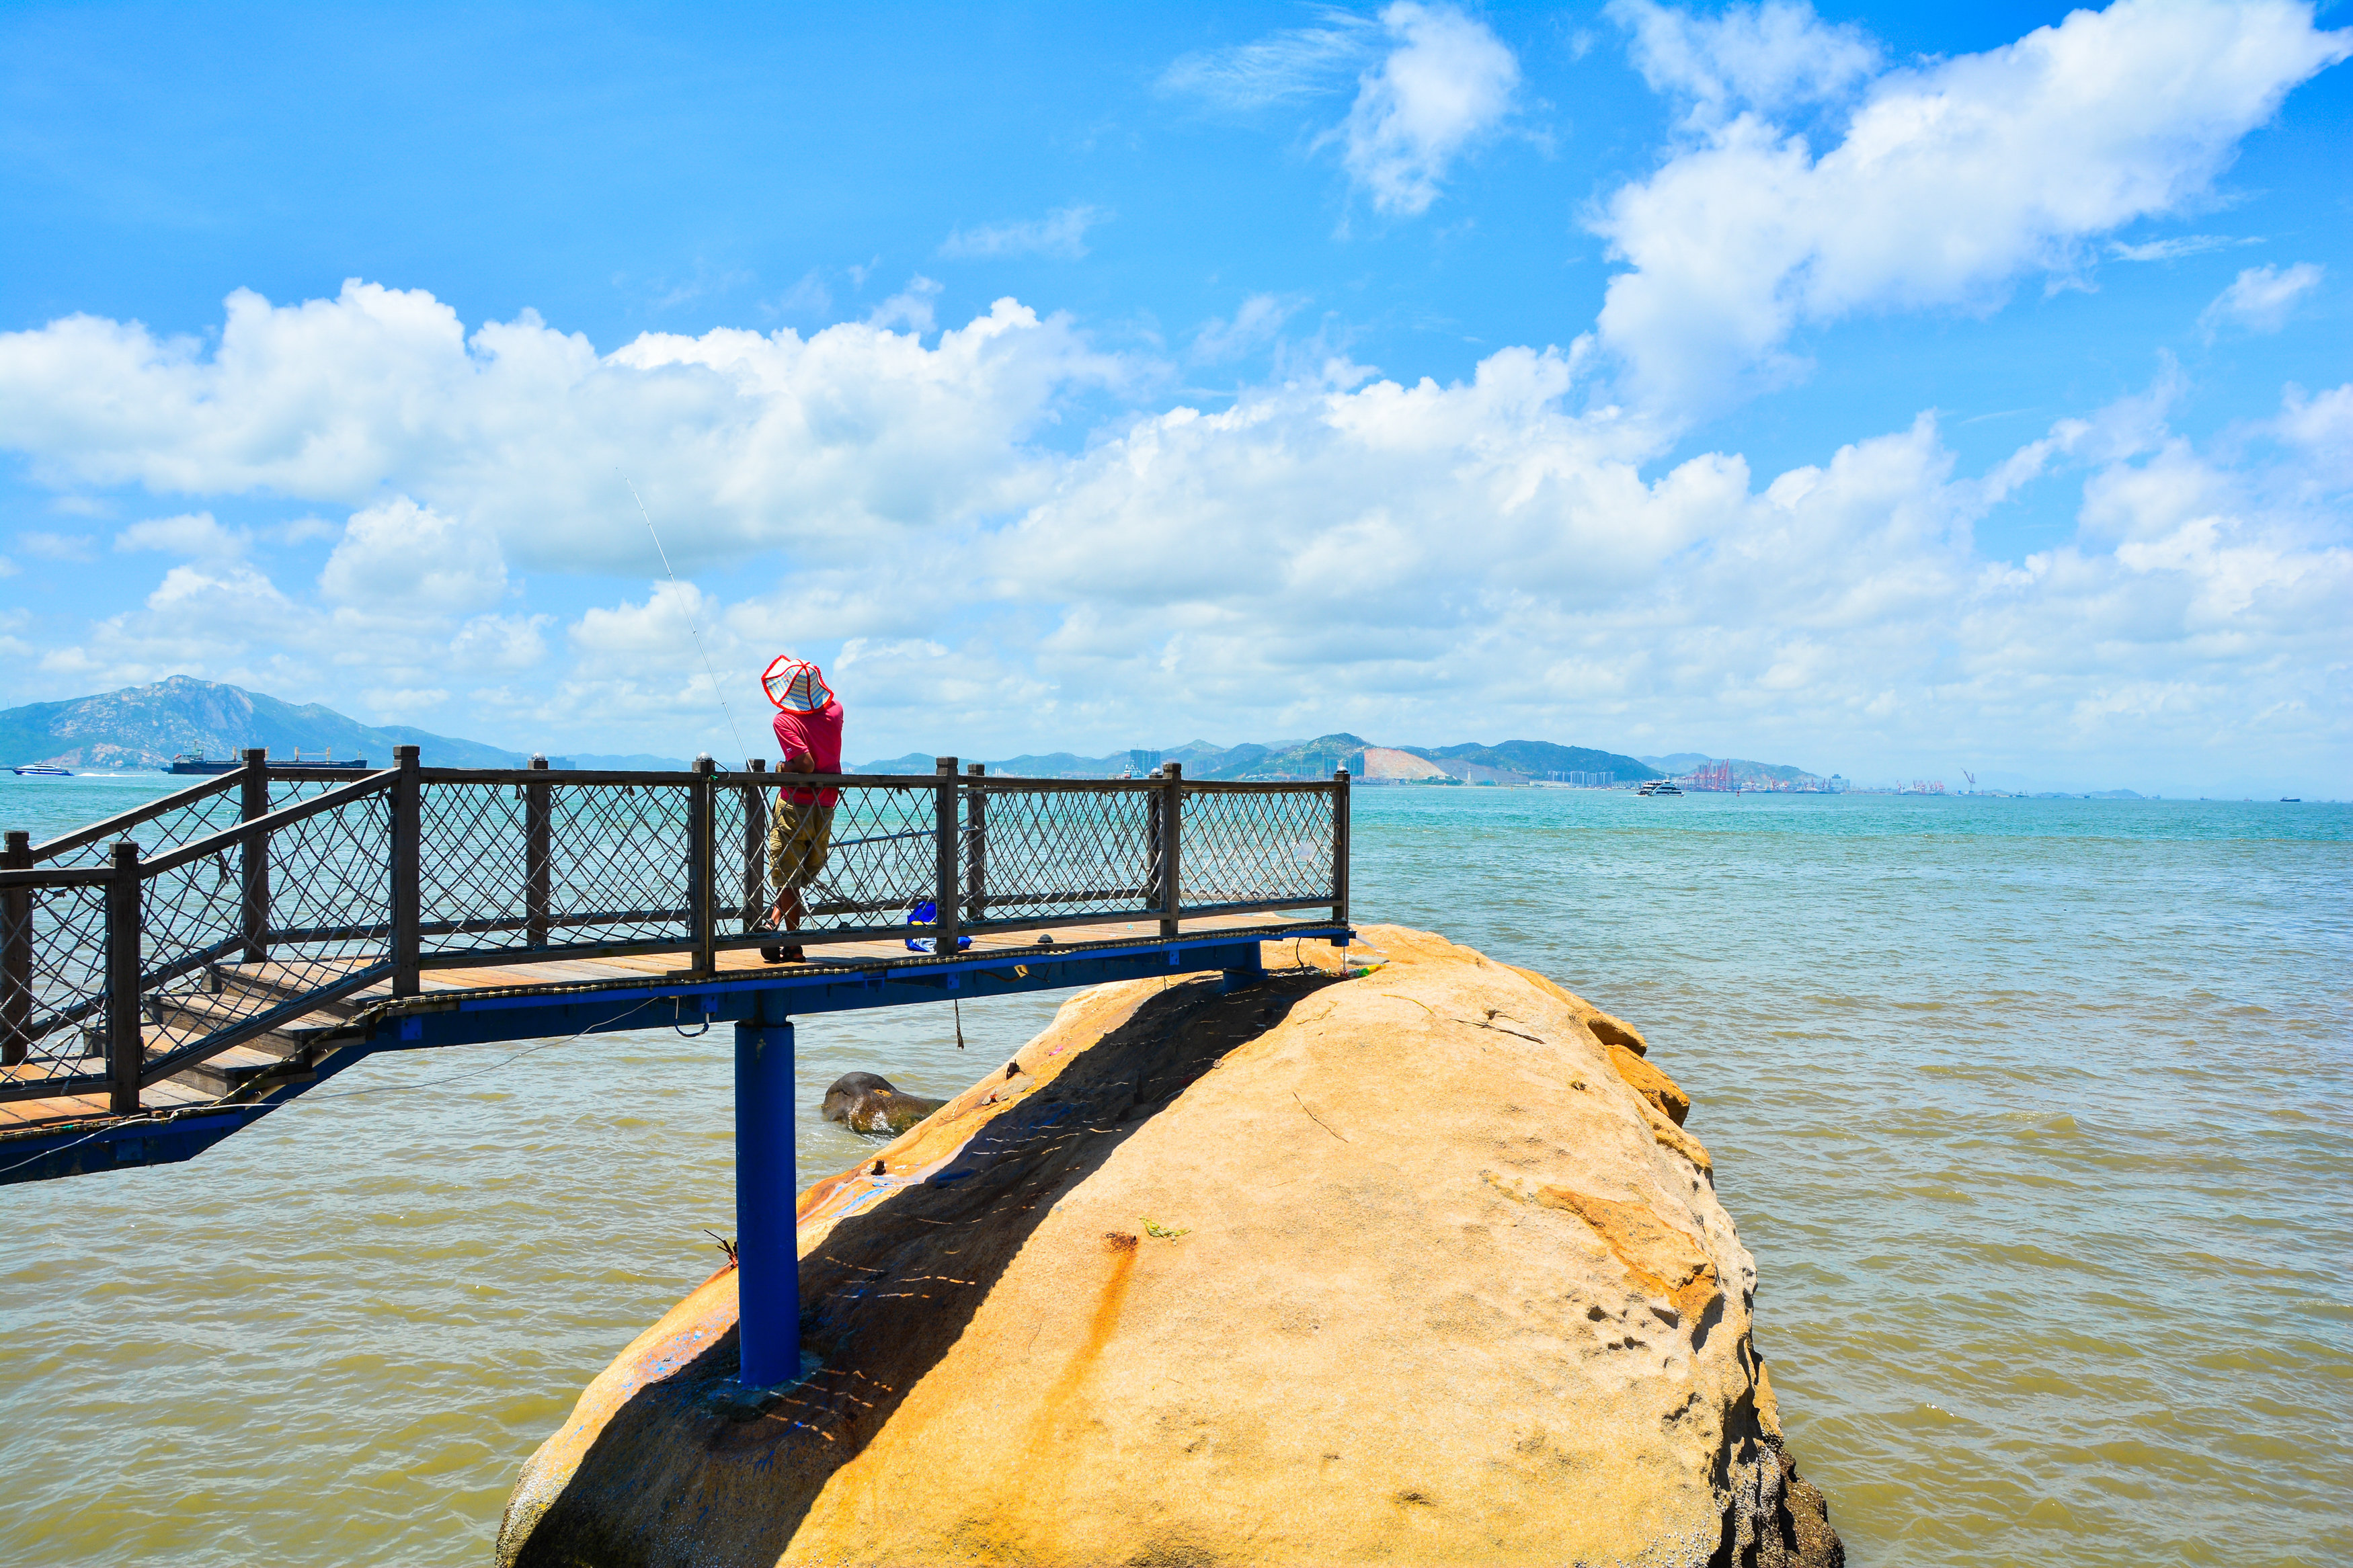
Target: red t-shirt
(818, 734)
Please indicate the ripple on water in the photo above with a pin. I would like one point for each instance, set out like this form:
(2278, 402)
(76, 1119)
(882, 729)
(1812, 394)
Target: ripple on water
(2035, 1115)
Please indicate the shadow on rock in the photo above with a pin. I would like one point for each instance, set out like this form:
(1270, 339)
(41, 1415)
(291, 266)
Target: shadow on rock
(672, 1479)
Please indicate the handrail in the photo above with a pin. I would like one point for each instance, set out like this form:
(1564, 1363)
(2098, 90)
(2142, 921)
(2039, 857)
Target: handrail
(114, 827)
(284, 817)
(461, 867)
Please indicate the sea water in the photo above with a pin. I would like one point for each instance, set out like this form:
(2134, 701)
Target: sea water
(2035, 1114)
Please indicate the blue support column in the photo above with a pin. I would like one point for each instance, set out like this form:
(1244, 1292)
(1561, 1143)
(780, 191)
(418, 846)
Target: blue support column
(768, 1277)
(1249, 972)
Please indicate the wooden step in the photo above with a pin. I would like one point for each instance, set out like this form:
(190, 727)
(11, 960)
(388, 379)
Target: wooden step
(238, 1065)
(191, 1014)
(274, 982)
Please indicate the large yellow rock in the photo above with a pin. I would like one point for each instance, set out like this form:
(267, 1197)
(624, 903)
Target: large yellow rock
(1392, 1268)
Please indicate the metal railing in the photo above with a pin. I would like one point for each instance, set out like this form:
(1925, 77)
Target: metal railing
(266, 894)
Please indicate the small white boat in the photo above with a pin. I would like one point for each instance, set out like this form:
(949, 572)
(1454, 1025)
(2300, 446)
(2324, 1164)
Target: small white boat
(1659, 786)
(41, 773)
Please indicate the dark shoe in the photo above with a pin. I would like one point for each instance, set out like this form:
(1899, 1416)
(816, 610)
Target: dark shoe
(773, 954)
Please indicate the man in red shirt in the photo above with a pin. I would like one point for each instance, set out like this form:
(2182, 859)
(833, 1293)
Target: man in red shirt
(800, 833)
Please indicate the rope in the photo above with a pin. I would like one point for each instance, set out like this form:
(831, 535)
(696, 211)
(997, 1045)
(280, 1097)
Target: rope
(113, 1127)
(693, 625)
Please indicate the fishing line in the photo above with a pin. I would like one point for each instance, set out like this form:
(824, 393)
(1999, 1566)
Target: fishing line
(693, 625)
(343, 1094)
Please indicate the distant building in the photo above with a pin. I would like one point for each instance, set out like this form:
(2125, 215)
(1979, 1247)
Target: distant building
(1142, 761)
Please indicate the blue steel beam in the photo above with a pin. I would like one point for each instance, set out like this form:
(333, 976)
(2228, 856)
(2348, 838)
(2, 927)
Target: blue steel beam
(439, 1019)
(767, 1244)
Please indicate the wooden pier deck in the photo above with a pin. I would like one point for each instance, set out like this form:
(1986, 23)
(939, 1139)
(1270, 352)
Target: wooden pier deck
(168, 975)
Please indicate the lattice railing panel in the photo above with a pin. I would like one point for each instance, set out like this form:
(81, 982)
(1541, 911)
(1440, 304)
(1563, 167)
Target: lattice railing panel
(505, 865)
(165, 829)
(473, 874)
(1248, 848)
(740, 855)
(883, 858)
(52, 1015)
(1057, 854)
(330, 917)
(617, 865)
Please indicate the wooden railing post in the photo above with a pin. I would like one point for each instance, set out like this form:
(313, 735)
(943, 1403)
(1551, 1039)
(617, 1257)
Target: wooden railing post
(976, 849)
(538, 874)
(1172, 845)
(126, 1044)
(407, 830)
(755, 845)
(17, 956)
(253, 857)
(945, 892)
(1340, 852)
(703, 901)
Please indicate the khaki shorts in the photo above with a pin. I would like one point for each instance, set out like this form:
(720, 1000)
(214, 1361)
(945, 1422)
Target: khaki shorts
(799, 836)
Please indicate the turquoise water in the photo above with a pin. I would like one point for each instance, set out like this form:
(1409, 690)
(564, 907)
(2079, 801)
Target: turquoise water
(2035, 1114)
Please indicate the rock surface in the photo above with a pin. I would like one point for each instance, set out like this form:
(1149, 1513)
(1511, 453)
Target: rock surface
(866, 1102)
(1411, 1268)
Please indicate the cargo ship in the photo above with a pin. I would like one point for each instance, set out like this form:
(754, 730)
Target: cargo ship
(197, 762)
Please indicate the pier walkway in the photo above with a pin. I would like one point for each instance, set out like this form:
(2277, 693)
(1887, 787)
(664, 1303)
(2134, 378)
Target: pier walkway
(171, 974)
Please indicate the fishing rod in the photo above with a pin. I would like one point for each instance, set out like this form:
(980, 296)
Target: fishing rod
(692, 625)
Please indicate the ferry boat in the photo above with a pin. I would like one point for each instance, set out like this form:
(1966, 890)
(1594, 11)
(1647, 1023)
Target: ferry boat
(197, 762)
(1659, 786)
(39, 771)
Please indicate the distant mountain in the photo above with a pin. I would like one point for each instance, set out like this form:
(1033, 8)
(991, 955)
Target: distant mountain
(1513, 761)
(620, 762)
(1542, 760)
(1744, 770)
(146, 726)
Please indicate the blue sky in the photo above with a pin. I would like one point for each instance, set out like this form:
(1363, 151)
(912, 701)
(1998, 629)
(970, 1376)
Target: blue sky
(1892, 392)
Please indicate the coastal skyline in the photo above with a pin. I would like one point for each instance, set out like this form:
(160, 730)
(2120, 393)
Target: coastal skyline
(1912, 395)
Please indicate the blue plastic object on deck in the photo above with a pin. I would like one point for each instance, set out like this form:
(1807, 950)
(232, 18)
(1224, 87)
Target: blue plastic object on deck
(924, 915)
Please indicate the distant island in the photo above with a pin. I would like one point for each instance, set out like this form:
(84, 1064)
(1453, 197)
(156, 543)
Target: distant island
(147, 726)
(141, 727)
(1512, 763)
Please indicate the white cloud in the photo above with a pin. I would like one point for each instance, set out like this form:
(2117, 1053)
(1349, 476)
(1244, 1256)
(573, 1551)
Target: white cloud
(8, 568)
(809, 297)
(1060, 234)
(194, 534)
(1769, 57)
(822, 446)
(2259, 299)
(2173, 249)
(500, 643)
(1416, 560)
(403, 702)
(1447, 82)
(1298, 63)
(49, 546)
(1257, 323)
(403, 560)
(303, 530)
(1952, 179)
(2320, 429)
